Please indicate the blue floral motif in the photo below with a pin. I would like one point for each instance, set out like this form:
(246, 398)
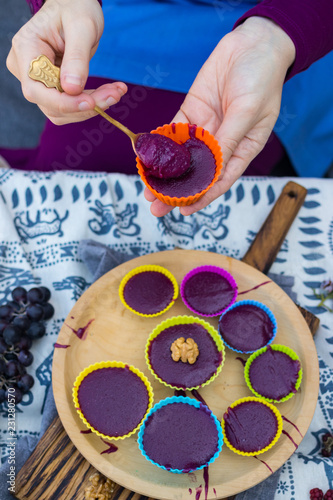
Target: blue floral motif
(282, 487)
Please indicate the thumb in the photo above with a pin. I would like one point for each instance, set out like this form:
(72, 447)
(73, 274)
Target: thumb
(75, 63)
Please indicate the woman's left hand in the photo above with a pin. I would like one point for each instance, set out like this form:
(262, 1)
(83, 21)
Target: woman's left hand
(236, 96)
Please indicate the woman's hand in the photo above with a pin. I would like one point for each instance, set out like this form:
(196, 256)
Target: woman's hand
(236, 96)
(67, 32)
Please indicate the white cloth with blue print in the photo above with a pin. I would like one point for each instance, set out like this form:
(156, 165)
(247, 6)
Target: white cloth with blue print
(44, 217)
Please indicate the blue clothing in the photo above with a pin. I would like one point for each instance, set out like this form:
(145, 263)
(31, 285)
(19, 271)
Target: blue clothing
(160, 44)
(163, 44)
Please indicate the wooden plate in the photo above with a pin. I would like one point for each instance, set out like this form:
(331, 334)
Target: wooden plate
(115, 333)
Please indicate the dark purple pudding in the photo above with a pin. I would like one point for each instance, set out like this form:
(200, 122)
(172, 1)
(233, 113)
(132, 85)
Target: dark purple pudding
(148, 292)
(273, 374)
(250, 426)
(180, 436)
(162, 157)
(176, 373)
(195, 179)
(247, 327)
(208, 292)
(113, 400)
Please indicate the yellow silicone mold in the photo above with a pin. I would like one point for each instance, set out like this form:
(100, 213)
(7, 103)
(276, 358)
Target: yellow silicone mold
(273, 442)
(110, 364)
(181, 320)
(275, 347)
(142, 269)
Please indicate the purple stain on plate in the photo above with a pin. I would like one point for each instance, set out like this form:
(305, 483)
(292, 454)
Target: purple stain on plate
(255, 287)
(81, 332)
(112, 448)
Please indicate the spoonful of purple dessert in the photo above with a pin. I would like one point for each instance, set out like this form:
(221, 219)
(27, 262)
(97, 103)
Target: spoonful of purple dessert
(161, 156)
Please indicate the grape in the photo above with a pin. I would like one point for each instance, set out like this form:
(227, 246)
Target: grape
(2, 366)
(35, 312)
(6, 312)
(3, 346)
(22, 322)
(19, 294)
(25, 358)
(46, 293)
(35, 296)
(48, 310)
(25, 383)
(17, 394)
(15, 306)
(3, 325)
(12, 334)
(35, 331)
(2, 395)
(24, 343)
(21, 368)
(12, 369)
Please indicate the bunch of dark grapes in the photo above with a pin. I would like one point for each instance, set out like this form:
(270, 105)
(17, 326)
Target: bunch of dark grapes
(22, 320)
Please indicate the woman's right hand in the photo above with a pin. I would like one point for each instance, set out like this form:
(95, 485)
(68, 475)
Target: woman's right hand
(68, 33)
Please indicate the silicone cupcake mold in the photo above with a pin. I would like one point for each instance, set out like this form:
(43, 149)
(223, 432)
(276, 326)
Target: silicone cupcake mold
(247, 326)
(251, 426)
(208, 290)
(148, 290)
(273, 373)
(112, 398)
(172, 363)
(205, 166)
(180, 435)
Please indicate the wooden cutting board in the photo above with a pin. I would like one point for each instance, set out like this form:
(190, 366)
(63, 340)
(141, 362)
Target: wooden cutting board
(56, 470)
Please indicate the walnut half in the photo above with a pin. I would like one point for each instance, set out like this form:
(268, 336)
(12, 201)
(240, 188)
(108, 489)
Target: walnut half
(101, 488)
(187, 351)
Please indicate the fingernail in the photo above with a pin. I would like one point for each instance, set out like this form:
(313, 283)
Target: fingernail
(110, 101)
(121, 91)
(84, 106)
(73, 80)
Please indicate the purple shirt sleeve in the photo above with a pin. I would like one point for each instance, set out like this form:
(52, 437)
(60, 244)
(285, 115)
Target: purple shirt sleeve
(35, 5)
(307, 22)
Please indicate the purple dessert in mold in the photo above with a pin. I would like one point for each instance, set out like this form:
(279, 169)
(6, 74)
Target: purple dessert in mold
(246, 327)
(207, 291)
(180, 436)
(273, 374)
(162, 157)
(195, 179)
(250, 426)
(113, 400)
(177, 373)
(148, 292)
